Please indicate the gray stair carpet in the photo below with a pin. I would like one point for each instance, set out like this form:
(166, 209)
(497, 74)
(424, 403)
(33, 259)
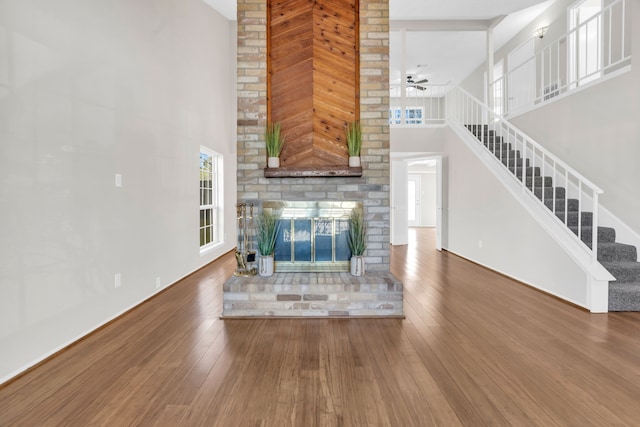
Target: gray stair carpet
(619, 259)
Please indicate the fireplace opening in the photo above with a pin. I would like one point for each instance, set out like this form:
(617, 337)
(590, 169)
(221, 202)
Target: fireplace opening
(312, 235)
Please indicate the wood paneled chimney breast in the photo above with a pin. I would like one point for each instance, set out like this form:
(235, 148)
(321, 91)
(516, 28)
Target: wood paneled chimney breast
(313, 82)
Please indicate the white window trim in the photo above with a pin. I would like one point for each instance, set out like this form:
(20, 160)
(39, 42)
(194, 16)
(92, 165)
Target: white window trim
(216, 204)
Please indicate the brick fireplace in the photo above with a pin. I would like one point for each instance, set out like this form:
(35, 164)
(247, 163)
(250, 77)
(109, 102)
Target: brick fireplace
(371, 189)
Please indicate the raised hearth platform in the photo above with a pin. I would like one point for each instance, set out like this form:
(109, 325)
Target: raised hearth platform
(313, 295)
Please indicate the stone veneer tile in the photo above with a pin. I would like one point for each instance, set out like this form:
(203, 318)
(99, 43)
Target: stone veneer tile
(285, 297)
(376, 295)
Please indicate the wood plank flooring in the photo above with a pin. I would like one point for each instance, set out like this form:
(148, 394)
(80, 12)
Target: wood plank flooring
(475, 349)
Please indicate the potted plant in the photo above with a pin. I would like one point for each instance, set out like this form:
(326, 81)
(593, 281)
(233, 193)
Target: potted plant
(354, 143)
(357, 242)
(268, 227)
(274, 141)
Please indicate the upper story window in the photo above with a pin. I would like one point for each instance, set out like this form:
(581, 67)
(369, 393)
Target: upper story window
(412, 115)
(210, 198)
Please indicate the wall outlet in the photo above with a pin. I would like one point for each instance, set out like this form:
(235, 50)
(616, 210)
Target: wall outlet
(118, 280)
(118, 180)
(480, 244)
(158, 283)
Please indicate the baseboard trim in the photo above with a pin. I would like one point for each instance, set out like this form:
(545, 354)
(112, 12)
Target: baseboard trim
(64, 347)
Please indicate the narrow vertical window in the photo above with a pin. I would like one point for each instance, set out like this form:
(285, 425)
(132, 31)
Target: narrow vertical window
(210, 198)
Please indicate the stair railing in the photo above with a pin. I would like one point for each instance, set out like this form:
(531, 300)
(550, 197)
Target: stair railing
(485, 125)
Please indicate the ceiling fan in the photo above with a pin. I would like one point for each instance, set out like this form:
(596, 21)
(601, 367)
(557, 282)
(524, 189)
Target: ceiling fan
(417, 85)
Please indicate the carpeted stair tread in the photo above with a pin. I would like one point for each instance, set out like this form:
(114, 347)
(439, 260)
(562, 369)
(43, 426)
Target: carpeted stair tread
(616, 252)
(605, 234)
(506, 154)
(624, 296)
(515, 162)
(572, 205)
(623, 271)
(495, 146)
(492, 140)
(537, 181)
(572, 218)
(548, 192)
(529, 171)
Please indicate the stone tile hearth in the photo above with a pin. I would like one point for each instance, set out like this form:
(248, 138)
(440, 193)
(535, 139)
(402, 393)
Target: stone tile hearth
(377, 294)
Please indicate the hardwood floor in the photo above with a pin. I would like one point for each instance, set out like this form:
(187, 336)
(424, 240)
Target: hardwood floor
(475, 349)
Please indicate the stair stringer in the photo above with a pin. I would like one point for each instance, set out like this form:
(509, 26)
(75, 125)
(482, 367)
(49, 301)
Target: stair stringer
(598, 277)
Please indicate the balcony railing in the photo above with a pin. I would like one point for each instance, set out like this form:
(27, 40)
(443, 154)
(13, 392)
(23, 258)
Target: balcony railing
(423, 105)
(595, 48)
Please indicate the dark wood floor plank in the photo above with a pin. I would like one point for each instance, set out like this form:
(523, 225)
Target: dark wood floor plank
(476, 348)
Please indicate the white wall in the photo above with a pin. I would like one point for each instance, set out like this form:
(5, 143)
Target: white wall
(89, 90)
(417, 139)
(484, 223)
(490, 227)
(595, 130)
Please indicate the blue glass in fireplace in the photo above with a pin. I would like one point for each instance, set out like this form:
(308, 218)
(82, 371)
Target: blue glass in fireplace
(342, 247)
(324, 237)
(283, 241)
(302, 240)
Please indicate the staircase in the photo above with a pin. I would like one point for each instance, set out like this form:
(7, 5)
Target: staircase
(619, 259)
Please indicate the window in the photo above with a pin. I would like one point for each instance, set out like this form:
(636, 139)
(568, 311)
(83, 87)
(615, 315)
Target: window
(412, 115)
(210, 198)
(585, 33)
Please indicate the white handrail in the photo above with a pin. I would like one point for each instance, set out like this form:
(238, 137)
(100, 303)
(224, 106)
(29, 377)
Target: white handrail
(491, 131)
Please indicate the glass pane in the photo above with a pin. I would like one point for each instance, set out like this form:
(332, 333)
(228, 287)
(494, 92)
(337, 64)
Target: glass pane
(202, 218)
(302, 240)
(324, 239)
(283, 241)
(202, 237)
(412, 198)
(208, 234)
(342, 247)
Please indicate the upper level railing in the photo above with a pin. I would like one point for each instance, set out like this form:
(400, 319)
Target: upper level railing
(423, 105)
(524, 158)
(594, 48)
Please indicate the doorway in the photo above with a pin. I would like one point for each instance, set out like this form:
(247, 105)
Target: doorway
(418, 197)
(521, 77)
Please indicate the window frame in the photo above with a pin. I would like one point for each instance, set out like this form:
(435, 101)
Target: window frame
(210, 230)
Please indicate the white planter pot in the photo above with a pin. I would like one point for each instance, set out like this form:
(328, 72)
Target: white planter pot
(357, 265)
(273, 162)
(265, 265)
(354, 161)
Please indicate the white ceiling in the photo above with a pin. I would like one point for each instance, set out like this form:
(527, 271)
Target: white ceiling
(449, 55)
(455, 9)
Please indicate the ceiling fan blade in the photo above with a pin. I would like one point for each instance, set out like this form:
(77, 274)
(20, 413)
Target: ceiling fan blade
(421, 87)
(422, 81)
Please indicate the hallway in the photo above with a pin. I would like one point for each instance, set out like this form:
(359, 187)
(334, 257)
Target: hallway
(476, 348)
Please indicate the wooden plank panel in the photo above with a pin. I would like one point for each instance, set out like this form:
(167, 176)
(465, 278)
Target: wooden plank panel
(281, 9)
(329, 80)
